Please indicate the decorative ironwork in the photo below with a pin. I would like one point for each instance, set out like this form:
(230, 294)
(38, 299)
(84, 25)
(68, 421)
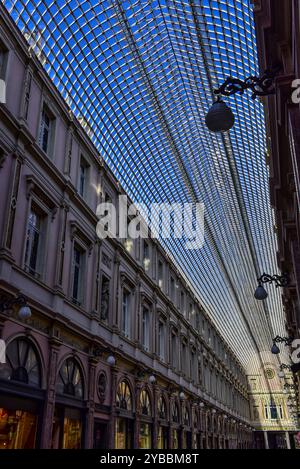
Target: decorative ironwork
(283, 366)
(279, 280)
(7, 303)
(283, 340)
(290, 386)
(260, 86)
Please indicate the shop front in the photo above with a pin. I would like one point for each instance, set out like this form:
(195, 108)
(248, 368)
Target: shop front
(69, 416)
(124, 421)
(21, 396)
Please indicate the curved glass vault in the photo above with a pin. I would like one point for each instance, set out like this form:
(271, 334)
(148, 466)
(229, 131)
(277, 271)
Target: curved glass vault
(140, 75)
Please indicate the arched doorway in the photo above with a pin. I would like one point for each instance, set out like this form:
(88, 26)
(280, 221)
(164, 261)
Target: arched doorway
(67, 431)
(124, 419)
(21, 396)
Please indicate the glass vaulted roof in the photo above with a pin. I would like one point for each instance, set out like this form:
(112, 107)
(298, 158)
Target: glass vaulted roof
(141, 74)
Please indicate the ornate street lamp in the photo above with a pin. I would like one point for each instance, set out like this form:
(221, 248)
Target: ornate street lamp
(7, 303)
(279, 280)
(220, 117)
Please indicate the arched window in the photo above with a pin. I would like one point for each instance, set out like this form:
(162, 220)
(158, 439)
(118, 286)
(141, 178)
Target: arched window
(175, 413)
(70, 380)
(24, 362)
(123, 397)
(145, 403)
(162, 408)
(186, 417)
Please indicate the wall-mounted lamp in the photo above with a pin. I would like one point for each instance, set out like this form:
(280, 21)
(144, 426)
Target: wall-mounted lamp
(152, 379)
(7, 303)
(111, 361)
(220, 118)
(181, 396)
(279, 280)
(287, 341)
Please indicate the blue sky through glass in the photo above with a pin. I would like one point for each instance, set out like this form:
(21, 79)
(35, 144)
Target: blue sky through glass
(142, 74)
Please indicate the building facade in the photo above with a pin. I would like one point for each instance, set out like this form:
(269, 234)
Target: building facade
(117, 353)
(278, 36)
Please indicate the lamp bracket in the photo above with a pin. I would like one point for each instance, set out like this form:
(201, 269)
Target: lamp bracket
(260, 86)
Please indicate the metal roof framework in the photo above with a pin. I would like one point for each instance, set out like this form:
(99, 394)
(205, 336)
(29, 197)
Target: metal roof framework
(141, 73)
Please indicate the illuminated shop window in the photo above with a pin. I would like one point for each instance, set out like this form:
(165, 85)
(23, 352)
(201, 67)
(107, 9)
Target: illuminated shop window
(124, 398)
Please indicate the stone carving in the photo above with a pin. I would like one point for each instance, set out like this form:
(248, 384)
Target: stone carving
(104, 308)
(101, 386)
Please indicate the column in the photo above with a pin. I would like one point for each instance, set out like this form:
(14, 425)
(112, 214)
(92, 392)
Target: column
(138, 387)
(112, 420)
(266, 440)
(89, 428)
(49, 408)
(287, 438)
(156, 393)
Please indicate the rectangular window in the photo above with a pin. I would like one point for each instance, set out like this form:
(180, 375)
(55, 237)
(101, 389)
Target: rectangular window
(160, 274)
(126, 320)
(174, 350)
(83, 177)
(146, 329)
(172, 289)
(146, 256)
(35, 241)
(78, 274)
(183, 358)
(46, 130)
(182, 303)
(193, 367)
(3, 61)
(162, 341)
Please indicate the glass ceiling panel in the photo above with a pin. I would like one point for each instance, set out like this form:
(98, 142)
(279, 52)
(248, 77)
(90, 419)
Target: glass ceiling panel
(141, 74)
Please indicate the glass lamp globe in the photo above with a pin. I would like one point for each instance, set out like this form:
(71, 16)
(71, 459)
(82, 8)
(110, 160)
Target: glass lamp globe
(260, 293)
(24, 312)
(152, 379)
(275, 349)
(220, 117)
(111, 361)
(280, 374)
(202, 404)
(181, 396)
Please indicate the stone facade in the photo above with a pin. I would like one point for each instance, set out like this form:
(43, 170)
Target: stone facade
(278, 37)
(118, 352)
